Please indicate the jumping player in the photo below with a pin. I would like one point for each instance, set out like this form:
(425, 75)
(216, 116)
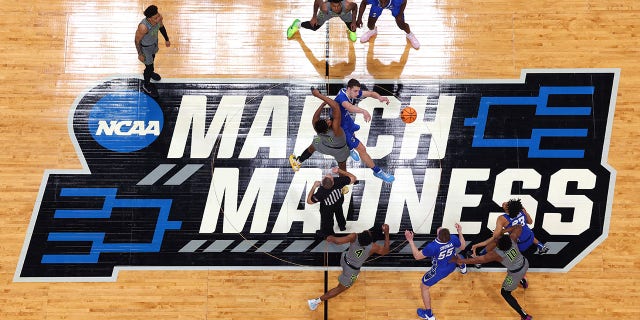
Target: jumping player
(330, 138)
(440, 251)
(346, 99)
(361, 247)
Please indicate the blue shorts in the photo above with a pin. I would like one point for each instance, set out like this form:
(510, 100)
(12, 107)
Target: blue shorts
(376, 10)
(434, 275)
(522, 246)
(349, 134)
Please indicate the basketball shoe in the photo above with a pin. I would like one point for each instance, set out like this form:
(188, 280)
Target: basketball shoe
(414, 41)
(295, 164)
(156, 77)
(352, 36)
(314, 303)
(146, 87)
(528, 317)
(367, 35)
(542, 249)
(386, 177)
(354, 155)
(463, 268)
(293, 28)
(524, 283)
(422, 313)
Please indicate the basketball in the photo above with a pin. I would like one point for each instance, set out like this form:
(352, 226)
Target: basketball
(408, 115)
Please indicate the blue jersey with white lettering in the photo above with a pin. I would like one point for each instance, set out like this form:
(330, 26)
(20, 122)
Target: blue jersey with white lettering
(526, 237)
(441, 252)
(346, 121)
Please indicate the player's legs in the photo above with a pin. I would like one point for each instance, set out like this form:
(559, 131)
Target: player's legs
(339, 213)
(377, 172)
(513, 303)
(426, 296)
(371, 24)
(334, 292)
(296, 162)
(542, 248)
(402, 24)
(405, 27)
(364, 156)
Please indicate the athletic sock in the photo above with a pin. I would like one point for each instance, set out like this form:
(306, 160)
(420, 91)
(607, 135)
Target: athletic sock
(376, 169)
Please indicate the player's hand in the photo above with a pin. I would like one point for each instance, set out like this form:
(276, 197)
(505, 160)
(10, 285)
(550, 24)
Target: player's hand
(316, 184)
(313, 21)
(141, 58)
(408, 235)
(331, 239)
(335, 169)
(473, 250)
(385, 228)
(458, 227)
(167, 43)
(359, 23)
(384, 99)
(367, 116)
(353, 26)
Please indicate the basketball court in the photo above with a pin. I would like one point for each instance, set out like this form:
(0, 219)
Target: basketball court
(116, 205)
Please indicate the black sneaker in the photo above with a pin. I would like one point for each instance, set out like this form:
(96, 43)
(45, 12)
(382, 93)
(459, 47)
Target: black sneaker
(147, 88)
(524, 283)
(156, 77)
(543, 250)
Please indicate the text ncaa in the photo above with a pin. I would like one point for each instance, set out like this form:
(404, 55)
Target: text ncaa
(200, 177)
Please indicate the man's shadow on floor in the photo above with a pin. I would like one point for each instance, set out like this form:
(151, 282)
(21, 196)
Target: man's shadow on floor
(339, 70)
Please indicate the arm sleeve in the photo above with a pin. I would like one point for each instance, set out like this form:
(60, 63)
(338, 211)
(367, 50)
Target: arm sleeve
(164, 33)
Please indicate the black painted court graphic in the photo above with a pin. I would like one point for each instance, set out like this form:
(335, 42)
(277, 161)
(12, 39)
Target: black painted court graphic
(200, 176)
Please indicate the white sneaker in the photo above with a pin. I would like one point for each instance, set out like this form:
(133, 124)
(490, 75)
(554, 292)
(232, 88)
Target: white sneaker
(414, 41)
(463, 268)
(367, 35)
(295, 164)
(314, 303)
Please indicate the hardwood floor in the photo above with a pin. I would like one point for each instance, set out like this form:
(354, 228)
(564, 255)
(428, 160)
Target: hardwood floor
(53, 51)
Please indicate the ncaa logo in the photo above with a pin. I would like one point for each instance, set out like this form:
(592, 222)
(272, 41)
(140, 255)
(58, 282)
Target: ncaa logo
(125, 121)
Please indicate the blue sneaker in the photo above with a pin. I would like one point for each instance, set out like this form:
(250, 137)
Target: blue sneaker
(422, 313)
(354, 155)
(386, 177)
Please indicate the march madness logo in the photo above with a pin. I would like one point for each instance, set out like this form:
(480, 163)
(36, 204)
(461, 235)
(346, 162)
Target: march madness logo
(200, 177)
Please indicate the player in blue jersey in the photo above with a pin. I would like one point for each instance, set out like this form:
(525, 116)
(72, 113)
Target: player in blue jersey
(397, 11)
(505, 250)
(440, 250)
(515, 214)
(346, 99)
